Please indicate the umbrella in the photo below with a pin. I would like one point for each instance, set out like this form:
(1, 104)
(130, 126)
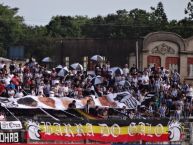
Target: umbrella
(89, 77)
(116, 70)
(58, 68)
(97, 80)
(47, 59)
(48, 72)
(63, 72)
(97, 58)
(124, 83)
(5, 59)
(76, 66)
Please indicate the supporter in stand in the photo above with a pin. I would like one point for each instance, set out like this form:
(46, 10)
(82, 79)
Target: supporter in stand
(2, 116)
(126, 70)
(11, 92)
(2, 64)
(19, 94)
(189, 92)
(87, 106)
(170, 97)
(124, 112)
(72, 105)
(2, 88)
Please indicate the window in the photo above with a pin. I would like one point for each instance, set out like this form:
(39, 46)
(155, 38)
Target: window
(190, 67)
(172, 63)
(151, 60)
(173, 67)
(85, 63)
(67, 61)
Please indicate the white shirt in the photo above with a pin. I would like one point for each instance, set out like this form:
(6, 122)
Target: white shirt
(19, 95)
(166, 87)
(125, 71)
(66, 89)
(135, 80)
(11, 93)
(141, 98)
(2, 65)
(190, 92)
(145, 79)
(41, 88)
(174, 92)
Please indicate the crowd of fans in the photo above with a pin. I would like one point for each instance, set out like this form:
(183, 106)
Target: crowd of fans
(160, 91)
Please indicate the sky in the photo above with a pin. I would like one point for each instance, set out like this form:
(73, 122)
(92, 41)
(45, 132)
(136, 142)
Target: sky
(40, 12)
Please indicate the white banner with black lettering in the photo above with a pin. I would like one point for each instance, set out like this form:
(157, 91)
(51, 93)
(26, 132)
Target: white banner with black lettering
(10, 137)
(10, 125)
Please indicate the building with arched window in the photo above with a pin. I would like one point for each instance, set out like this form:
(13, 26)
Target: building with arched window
(165, 49)
(168, 50)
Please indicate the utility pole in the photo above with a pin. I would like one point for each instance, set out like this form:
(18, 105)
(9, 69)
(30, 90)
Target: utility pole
(61, 52)
(137, 54)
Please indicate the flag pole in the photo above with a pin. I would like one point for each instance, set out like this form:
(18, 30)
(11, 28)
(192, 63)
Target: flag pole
(49, 114)
(11, 113)
(72, 114)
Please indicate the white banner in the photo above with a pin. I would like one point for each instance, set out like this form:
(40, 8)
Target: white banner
(8, 125)
(9, 137)
(116, 100)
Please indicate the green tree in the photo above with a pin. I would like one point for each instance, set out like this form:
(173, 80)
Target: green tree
(94, 27)
(10, 28)
(66, 26)
(139, 17)
(158, 16)
(189, 10)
